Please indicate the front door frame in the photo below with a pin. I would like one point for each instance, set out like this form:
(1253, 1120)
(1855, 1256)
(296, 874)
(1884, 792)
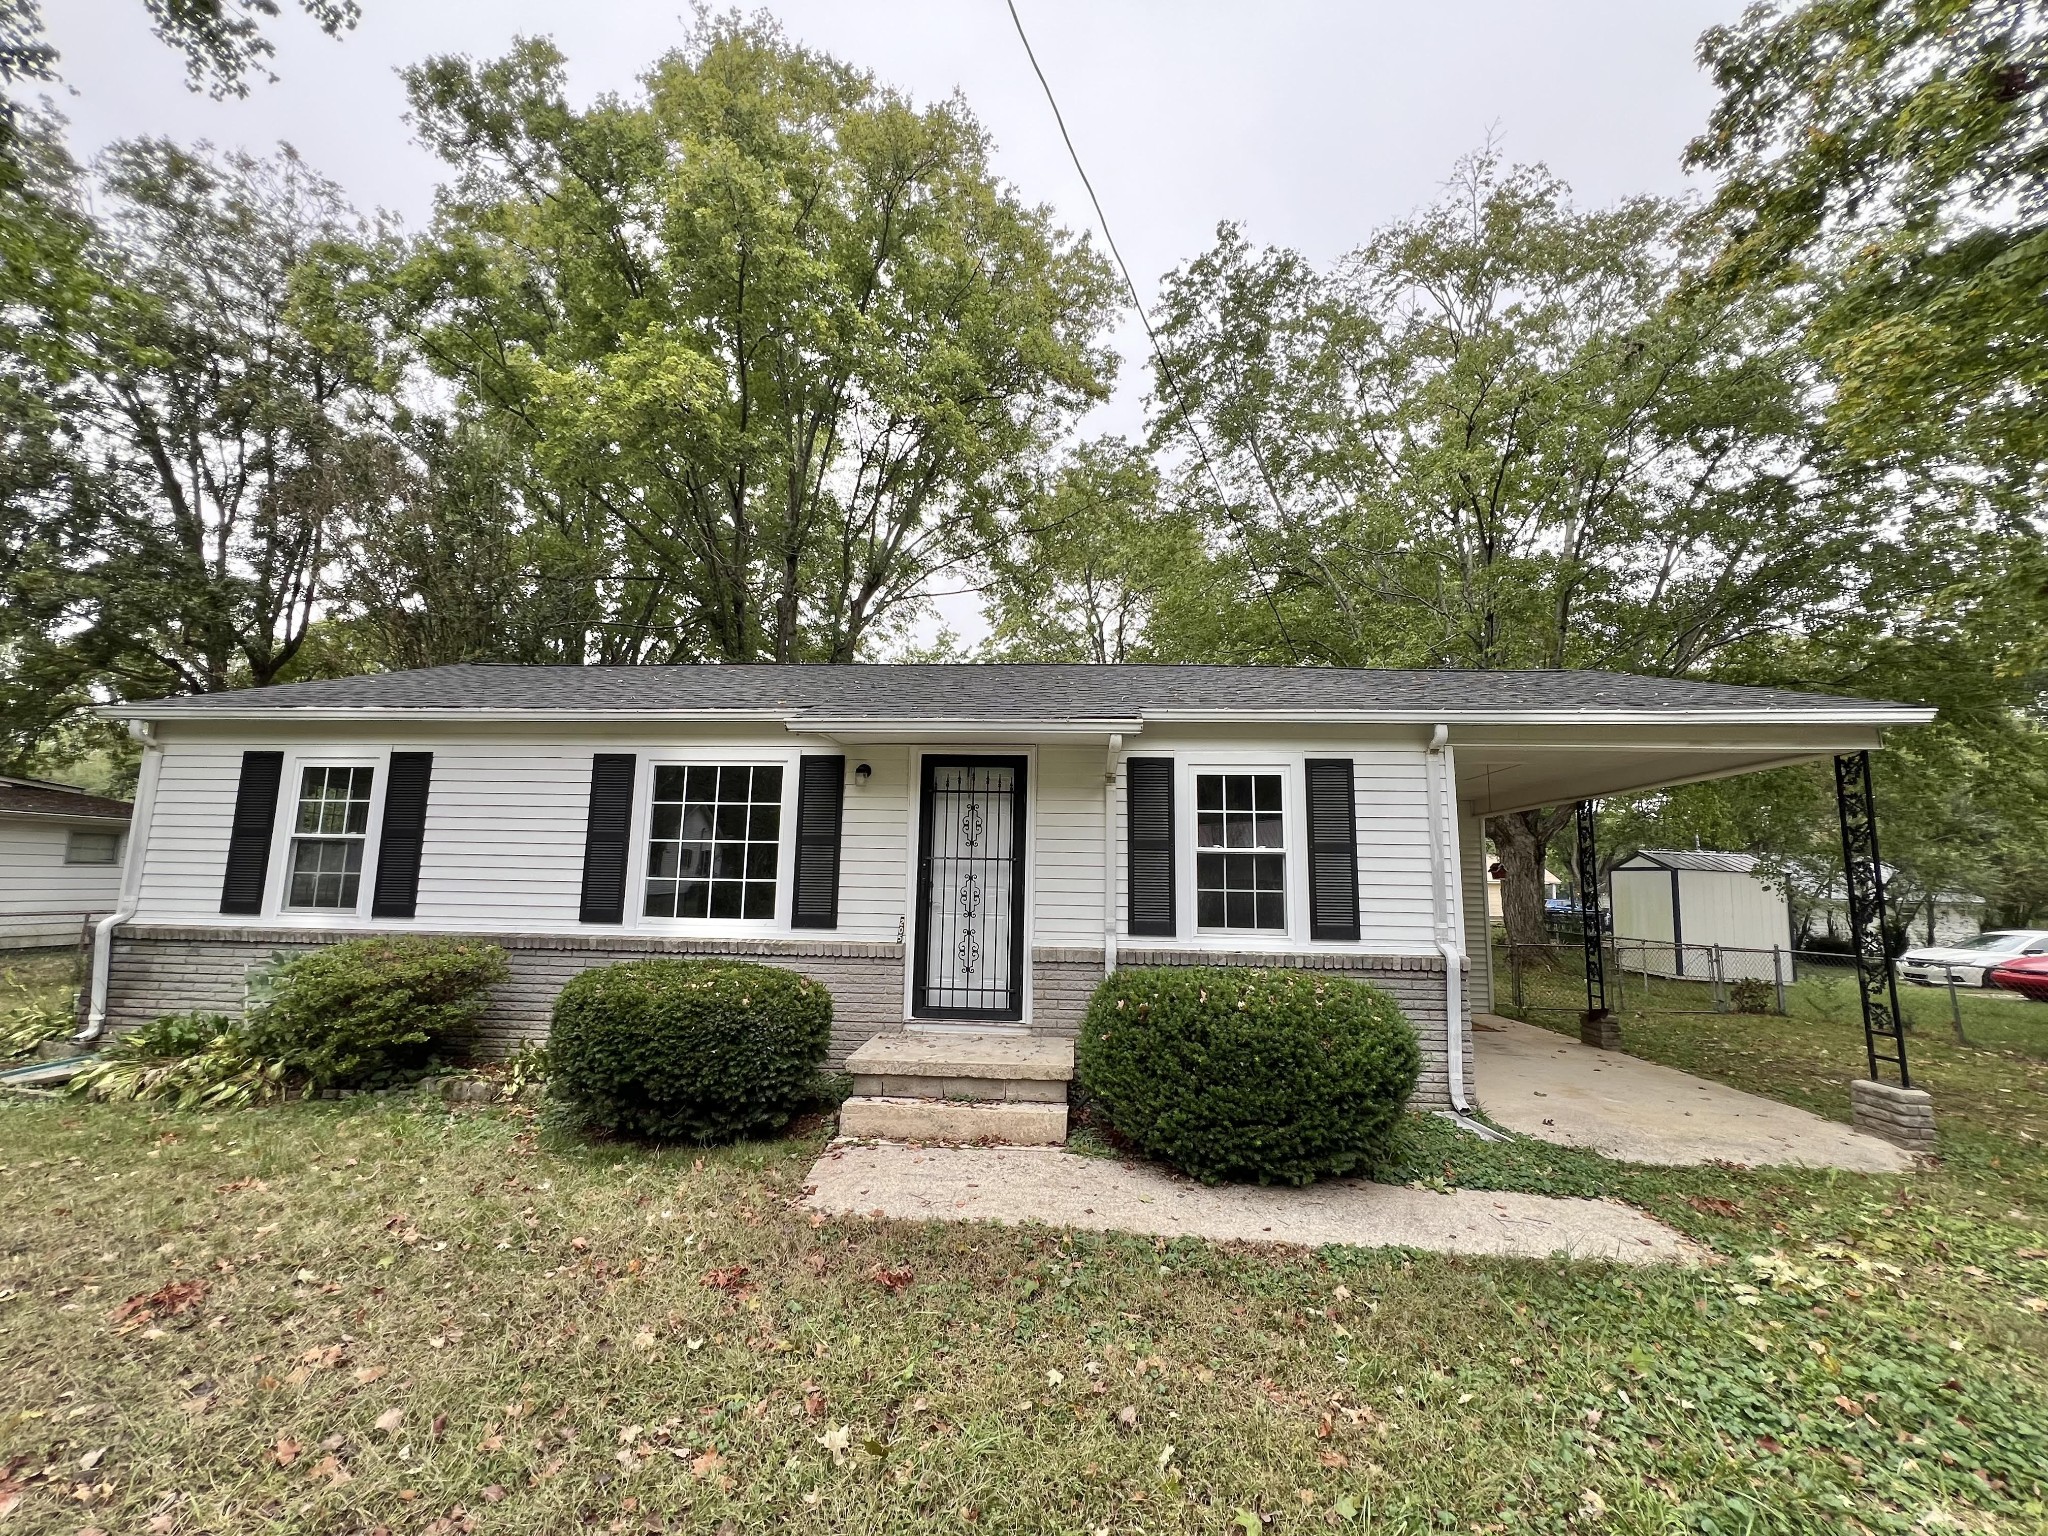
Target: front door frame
(1020, 765)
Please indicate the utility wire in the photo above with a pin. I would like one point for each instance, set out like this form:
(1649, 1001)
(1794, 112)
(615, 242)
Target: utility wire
(1166, 372)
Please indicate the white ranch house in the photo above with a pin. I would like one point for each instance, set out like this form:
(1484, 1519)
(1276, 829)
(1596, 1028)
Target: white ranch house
(959, 853)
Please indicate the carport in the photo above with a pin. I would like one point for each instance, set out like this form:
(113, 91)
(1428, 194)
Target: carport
(1506, 766)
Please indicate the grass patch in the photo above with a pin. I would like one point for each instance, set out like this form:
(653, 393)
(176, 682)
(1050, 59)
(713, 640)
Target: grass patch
(375, 1313)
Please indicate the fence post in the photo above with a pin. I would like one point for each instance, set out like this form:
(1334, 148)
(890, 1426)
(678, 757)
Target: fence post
(1714, 975)
(1778, 975)
(1955, 1009)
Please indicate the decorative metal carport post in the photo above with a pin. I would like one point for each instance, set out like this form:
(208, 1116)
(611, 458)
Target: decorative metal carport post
(1897, 1111)
(1597, 1026)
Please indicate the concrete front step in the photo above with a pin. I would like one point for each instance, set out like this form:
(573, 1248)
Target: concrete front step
(878, 1118)
(965, 1058)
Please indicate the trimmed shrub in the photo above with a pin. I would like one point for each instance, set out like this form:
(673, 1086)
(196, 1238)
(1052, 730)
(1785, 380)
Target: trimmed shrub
(373, 1010)
(687, 1050)
(1280, 1076)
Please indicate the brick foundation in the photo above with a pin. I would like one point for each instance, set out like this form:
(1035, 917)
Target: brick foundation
(158, 969)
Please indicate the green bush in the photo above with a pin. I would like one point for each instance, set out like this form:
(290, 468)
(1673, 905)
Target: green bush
(1280, 1076)
(687, 1050)
(372, 1010)
(1752, 995)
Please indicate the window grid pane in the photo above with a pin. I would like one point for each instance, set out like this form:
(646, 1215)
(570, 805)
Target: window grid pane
(327, 852)
(1240, 852)
(714, 842)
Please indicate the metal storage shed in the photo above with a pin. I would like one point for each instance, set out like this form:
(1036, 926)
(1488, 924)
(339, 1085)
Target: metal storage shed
(1672, 906)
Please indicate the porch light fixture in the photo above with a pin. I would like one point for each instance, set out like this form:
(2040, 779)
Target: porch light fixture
(862, 774)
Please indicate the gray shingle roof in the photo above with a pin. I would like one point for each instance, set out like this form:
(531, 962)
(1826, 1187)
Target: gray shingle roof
(1011, 692)
(37, 797)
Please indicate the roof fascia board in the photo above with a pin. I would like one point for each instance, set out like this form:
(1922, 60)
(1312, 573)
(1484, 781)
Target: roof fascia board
(1901, 715)
(64, 816)
(289, 712)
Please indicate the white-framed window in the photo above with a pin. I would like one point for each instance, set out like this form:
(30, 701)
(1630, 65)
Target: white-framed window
(82, 846)
(1241, 851)
(330, 825)
(714, 841)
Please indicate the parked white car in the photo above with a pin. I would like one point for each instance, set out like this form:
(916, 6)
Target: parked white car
(1970, 960)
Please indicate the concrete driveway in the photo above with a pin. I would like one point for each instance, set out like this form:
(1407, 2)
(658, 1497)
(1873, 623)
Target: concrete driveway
(1551, 1087)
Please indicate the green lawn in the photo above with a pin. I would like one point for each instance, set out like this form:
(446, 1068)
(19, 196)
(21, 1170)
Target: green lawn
(372, 1315)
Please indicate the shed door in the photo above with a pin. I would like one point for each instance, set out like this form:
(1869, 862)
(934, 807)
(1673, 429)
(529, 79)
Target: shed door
(970, 920)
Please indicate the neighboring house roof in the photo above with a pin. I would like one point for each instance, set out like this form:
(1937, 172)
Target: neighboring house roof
(1016, 692)
(1693, 858)
(57, 802)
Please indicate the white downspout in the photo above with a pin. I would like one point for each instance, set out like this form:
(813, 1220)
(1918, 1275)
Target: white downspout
(1443, 808)
(131, 880)
(1109, 925)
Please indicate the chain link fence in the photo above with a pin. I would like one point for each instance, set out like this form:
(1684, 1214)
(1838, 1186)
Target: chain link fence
(1646, 976)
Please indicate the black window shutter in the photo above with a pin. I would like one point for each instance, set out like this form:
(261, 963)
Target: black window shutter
(397, 890)
(1332, 849)
(241, 891)
(1148, 836)
(605, 838)
(820, 800)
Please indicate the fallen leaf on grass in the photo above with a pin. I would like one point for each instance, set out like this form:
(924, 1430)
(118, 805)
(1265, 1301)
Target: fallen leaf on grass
(330, 1467)
(370, 1373)
(491, 1493)
(836, 1440)
(172, 1300)
(892, 1280)
(731, 1279)
(1713, 1205)
(708, 1464)
(286, 1450)
(1127, 1418)
(390, 1419)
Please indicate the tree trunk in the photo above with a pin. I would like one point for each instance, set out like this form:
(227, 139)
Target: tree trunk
(1521, 841)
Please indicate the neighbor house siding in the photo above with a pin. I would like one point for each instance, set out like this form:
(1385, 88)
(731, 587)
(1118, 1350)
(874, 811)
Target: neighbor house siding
(43, 900)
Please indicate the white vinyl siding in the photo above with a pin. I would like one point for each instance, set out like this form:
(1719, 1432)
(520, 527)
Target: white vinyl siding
(503, 845)
(187, 852)
(36, 874)
(1067, 847)
(877, 826)
(1478, 926)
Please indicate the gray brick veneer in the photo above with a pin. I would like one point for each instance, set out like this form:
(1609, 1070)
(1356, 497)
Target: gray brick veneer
(158, 969)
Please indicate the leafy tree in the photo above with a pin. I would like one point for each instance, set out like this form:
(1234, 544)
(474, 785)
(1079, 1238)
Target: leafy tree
(779, 340)
(1089, 562)
(1506, 432)
(1892, 155)
(204, 458)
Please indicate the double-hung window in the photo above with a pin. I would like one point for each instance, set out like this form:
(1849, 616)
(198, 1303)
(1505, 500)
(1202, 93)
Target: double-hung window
(328, 832)
(714, 836)
(1240, 852)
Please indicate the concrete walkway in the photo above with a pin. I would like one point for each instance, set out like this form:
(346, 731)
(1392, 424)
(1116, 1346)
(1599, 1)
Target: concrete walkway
(1014, 1185)
(1549, 1086)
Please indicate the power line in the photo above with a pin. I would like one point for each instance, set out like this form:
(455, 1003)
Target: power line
(1166, 372)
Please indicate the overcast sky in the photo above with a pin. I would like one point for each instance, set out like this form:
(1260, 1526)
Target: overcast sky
(1309, 122)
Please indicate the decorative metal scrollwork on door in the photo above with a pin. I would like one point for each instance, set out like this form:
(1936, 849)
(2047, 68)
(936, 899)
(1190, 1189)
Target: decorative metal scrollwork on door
(972, 828)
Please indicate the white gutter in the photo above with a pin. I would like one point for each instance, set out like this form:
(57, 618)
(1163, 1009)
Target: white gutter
(131, 881)
(1443, 812)
(1116, 745)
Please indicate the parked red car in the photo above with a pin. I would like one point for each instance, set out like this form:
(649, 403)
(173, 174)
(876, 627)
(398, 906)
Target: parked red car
(2027, 975)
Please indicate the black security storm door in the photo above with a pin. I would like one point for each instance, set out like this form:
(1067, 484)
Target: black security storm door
(969, 962)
